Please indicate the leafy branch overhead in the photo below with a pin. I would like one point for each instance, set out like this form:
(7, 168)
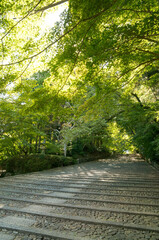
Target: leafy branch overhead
(96, 63)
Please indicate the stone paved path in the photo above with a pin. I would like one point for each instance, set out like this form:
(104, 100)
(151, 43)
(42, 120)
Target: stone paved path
(105, 199)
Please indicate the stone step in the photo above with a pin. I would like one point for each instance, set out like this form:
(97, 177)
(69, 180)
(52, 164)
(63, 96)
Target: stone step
(101, 178)
(97, 200)
(78, 189)
(35, 231)
(154, 188)
(6, 236)
(102, 209)
(99, 209)
(21, 221)
(71, 195)
(53, 191)
(115, 216)
(102, 174)
(87, 181)
(50, 199)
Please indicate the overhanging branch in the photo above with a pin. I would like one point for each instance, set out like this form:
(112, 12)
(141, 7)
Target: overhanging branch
(137, 98)
(115, 115)
(54, 4)
(147, 51)
(136, 67)
(48, 46)
(30, 11)
(52, 43)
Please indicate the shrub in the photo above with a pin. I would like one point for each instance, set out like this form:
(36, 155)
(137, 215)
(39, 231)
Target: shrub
(52, 148)
(36, 162)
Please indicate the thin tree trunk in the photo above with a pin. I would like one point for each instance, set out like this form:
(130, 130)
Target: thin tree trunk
(39, 144)
(36, 144)
(30, 149)
(65, 149)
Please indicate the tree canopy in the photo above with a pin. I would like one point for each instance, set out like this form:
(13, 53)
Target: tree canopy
(91, 79)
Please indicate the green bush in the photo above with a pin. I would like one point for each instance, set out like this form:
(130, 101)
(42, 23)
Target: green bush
(52, 148)
(36, 162)
(68, 161)
(147, 141)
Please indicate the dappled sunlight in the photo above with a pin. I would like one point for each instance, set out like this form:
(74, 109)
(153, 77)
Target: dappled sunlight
(72, 89)
(78, 99)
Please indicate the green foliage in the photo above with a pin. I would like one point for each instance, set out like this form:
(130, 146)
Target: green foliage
(147, 141)
(52, 148)
(87, 83)
(36, 162)
(119, 141)
(140, 120)
(87, 137)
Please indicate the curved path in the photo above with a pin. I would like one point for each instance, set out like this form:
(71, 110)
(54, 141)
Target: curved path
(104, 199)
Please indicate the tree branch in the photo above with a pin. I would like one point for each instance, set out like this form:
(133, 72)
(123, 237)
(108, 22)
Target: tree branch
(51, 44)
(20, 20)
(24, 70)
(151, 73)
(2, 51)
(116, 114)
(2, 57)
(48, 46)
(138, 99)
(50, 6)
(76, 56)
(134, 76)
(137, 11)
(146, 51)
(148, 39)
(133, 69)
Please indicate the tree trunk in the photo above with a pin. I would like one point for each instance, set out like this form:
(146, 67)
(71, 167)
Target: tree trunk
(30, 148)
(36, 144)
(65, 149)
(39, 144)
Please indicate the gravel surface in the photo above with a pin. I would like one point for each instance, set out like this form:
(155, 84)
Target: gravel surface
(133, 180)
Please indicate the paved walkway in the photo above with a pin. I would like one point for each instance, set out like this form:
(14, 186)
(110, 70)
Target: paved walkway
(104, 199)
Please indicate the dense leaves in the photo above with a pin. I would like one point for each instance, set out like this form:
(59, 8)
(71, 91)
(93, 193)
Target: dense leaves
(88, 82)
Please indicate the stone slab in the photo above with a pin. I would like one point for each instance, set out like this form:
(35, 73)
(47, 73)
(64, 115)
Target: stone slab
(52, 200)
(38, 209)
(76, 185)
(43, 232)
(85, 220)
(67, 189)
(5, 236)
(18, 221)
(61, 194)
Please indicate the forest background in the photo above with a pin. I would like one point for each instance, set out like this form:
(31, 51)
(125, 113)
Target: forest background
(87, 83)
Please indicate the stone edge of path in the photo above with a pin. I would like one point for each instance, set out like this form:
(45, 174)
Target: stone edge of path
(86, 220)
